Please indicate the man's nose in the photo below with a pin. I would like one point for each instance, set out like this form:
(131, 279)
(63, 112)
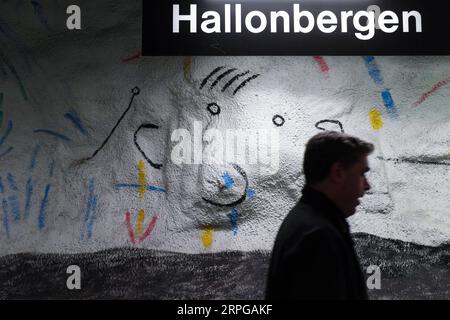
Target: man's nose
(367, 185)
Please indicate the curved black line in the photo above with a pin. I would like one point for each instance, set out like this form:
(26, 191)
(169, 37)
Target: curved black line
(146, 126)
(331, 121)
(214, 113)
(244, 83)
(209, 76)
(238, 201)
(135, 91)
(229, 83)
(223, 75)
(277, 116)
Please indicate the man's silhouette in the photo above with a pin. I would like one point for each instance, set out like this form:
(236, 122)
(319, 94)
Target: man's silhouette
(313, 256)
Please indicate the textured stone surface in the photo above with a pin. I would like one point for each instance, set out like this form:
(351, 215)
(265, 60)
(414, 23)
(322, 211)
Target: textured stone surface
(408, 271)
(63, 93)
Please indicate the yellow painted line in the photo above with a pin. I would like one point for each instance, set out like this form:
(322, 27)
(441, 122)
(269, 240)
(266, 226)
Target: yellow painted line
(141, 167)
(375, 119)
(139, 223)
(187, 64)
(207, 237)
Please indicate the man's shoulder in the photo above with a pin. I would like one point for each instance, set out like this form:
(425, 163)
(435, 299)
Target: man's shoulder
(303, 219)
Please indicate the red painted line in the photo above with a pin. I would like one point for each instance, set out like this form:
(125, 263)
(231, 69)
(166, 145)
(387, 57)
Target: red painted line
(130, 229)
(324, 68)
(133, 57)
(149, 228)
(437, 86)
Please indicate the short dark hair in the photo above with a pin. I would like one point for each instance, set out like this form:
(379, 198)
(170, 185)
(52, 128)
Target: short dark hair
(328, 147)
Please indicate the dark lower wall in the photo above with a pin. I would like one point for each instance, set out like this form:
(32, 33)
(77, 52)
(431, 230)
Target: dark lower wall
(408, 271)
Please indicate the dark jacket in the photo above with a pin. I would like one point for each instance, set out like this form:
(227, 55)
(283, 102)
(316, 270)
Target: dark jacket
(313, 256)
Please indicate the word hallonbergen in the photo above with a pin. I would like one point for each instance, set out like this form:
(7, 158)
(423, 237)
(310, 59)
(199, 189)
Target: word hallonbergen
(301, 21)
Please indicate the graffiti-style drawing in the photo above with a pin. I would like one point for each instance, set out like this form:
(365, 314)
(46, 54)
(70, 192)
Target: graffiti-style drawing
(76, 121)
(146, 126)
(205, 80)
(133, 57)
(221, 76)
(245, 82)
(234, 215)
(278, 120)
(375, 74)
(133, 234)
(6, 218)
(4, 138)
(136, 235)
(43, 209)
(7, 132)
(213, 108)
(89, 216)
(235, 78)
(231, 81)
(134, 93)
(187, 65)
(238, 201)
(375, 119)
(15, 74)
(341, 127)
(53, 133)
(207, 236)
(324, 68)
(435, 88)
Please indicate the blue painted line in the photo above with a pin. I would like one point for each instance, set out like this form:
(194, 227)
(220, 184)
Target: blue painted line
(34, 156)
(12, 182)
(6, 152)
(5, 218)
(53, 133)
(251, 193)
(374, 71)
(135, 186)
(14, 203)
(387, 99)
(2, 188)
(76, 121)
(43, 210)
(228, 180)
(90, 211)
(90, 223)
(51, 168)
(8, 131)
(233, 215)
(28, 196)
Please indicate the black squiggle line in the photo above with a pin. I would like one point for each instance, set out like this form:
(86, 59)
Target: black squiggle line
(135, 92)
(331, 121)
(146, 126)
(209, 76)
(244, 83)
(238, 201)
(399, 160)
(229, 83)
(221, 77)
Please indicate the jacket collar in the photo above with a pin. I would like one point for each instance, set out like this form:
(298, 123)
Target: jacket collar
(326, 207)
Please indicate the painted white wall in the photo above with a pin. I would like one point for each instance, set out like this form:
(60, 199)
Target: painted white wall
(47, 71)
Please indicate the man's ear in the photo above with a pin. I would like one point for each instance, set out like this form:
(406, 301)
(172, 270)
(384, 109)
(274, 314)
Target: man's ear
(337, 172)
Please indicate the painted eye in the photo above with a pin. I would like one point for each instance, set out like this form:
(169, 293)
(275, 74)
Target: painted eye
(278, 120)
(213, 108)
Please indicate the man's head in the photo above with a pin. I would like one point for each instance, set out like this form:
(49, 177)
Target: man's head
(335, 163)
